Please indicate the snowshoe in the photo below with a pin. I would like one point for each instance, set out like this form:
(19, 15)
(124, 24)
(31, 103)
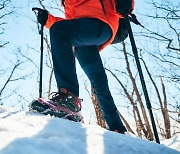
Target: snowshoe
(46, 107)
(62, 104)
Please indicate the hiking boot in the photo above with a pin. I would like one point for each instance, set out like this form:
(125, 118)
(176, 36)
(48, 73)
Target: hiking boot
(66, 99)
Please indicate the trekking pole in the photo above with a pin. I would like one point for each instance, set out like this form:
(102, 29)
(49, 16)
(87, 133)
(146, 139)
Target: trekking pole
(135, 52)
(41, 63)
(41, 57)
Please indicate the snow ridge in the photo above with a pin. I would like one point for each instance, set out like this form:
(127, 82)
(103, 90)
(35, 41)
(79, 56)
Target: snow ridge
(23, 132)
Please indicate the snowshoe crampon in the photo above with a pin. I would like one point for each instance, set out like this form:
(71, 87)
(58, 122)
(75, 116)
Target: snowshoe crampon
(46, 107)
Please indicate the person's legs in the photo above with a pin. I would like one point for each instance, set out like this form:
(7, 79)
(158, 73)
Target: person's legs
(63, 58)
(90, 61)
(85, 35)
(67, 33)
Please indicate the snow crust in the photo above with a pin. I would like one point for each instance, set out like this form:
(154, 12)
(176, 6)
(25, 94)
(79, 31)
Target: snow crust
(23, 132)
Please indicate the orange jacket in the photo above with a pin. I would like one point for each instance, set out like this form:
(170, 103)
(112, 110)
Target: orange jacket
(90, 9)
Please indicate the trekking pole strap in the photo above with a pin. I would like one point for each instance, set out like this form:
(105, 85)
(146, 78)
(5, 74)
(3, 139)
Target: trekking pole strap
(133, 19)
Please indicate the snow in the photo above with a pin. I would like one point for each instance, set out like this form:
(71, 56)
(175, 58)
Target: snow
(23, 132)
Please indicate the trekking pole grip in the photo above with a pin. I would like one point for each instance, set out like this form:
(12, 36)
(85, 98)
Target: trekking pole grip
(36, 9)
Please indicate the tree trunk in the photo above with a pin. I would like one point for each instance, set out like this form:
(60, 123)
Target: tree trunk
(163, 107)
(146, 121)
(138, 125)
(165, 113)
(99, 116)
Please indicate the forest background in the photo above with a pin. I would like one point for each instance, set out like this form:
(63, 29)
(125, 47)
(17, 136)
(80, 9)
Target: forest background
(158, 48)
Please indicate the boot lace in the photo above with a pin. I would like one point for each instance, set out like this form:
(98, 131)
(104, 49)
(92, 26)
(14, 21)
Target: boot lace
(58, 96)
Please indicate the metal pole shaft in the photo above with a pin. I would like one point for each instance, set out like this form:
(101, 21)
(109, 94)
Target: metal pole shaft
(135, 52)
(41, 63)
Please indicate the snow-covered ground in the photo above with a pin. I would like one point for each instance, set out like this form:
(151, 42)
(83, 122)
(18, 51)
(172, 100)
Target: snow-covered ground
(24, 132)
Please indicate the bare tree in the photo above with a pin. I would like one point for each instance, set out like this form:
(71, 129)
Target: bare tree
(99, 116)
(11, 77)
(5, 11)
(142, 123)
(164, 38)
(163, 104)
(8, 76)
(146, 121)
(168, 36)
